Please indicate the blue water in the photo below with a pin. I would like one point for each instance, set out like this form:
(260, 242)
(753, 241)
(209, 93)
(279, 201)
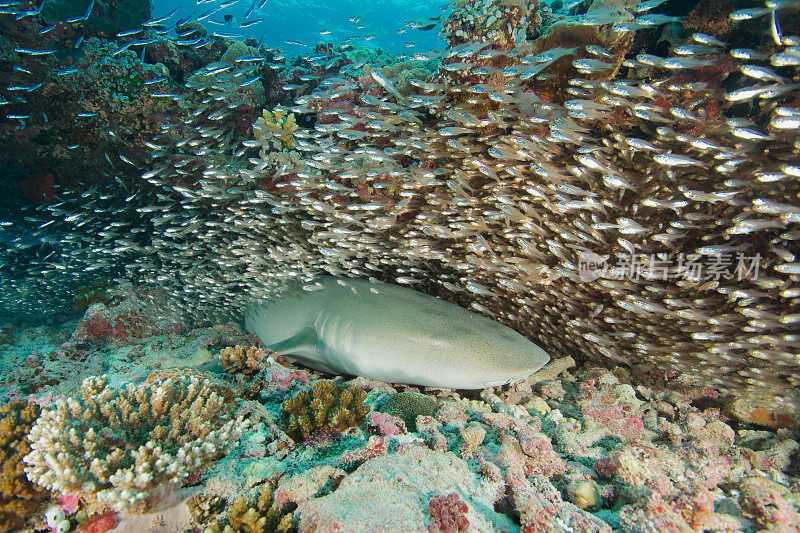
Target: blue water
(382, 23)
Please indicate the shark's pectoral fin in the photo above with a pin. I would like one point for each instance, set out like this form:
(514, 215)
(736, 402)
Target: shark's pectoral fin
(304, 348)
(303, 343)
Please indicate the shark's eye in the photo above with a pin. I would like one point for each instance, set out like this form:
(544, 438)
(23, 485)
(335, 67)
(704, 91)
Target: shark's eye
(434, 342)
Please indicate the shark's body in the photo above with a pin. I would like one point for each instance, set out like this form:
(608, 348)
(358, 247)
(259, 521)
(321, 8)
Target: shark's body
(394, 334)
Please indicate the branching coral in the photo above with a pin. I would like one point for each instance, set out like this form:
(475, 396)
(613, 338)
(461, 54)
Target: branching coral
(276, 125)
(258, 514)
(328, 405)
(241, 359)
(118, 445)
(18, 496)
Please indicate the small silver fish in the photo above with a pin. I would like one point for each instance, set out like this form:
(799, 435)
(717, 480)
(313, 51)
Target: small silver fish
(674, 160)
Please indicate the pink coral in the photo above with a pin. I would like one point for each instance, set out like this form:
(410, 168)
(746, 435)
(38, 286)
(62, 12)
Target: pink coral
(375, 447)
(100, 523)
(386, 424)
(280, 379)
(541, 508)
(68, 502)
(675, 512)
(448, 514)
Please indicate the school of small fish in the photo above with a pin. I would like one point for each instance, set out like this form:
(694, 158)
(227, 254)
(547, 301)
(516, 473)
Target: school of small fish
(487, 184)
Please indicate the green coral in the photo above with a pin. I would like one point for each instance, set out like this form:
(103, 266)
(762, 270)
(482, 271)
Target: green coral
(408, 406)
(276, 125)
(328, 405)
(131, 85)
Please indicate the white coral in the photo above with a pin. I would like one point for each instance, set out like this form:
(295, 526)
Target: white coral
(103, 443)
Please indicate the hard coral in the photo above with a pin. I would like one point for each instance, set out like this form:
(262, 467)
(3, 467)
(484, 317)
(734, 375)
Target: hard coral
(242, 359)
(18, 496)
(204, 508)
(217, 385)
(329, 404)
(410, 405)
(761, 499)
(100, 523)
(448, 513)
(116, 446)
(256, 514)
(276, 124)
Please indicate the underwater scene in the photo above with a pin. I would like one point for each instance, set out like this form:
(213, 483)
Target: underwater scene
(400, 266)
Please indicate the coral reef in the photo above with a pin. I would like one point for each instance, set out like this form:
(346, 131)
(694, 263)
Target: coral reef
(275, 128)
(280, 380)
(118, 446)
(764, 500)
(541, 141)
(255, 514)
(400, 478)
(327, 405)
(19, 497)
(408, 406)
(133, 315)
(243, 359)
(447, 514)
(530, 457)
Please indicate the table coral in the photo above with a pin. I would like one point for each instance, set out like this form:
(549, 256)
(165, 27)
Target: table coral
(118, 446)
(18, 496)
(327, 405)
